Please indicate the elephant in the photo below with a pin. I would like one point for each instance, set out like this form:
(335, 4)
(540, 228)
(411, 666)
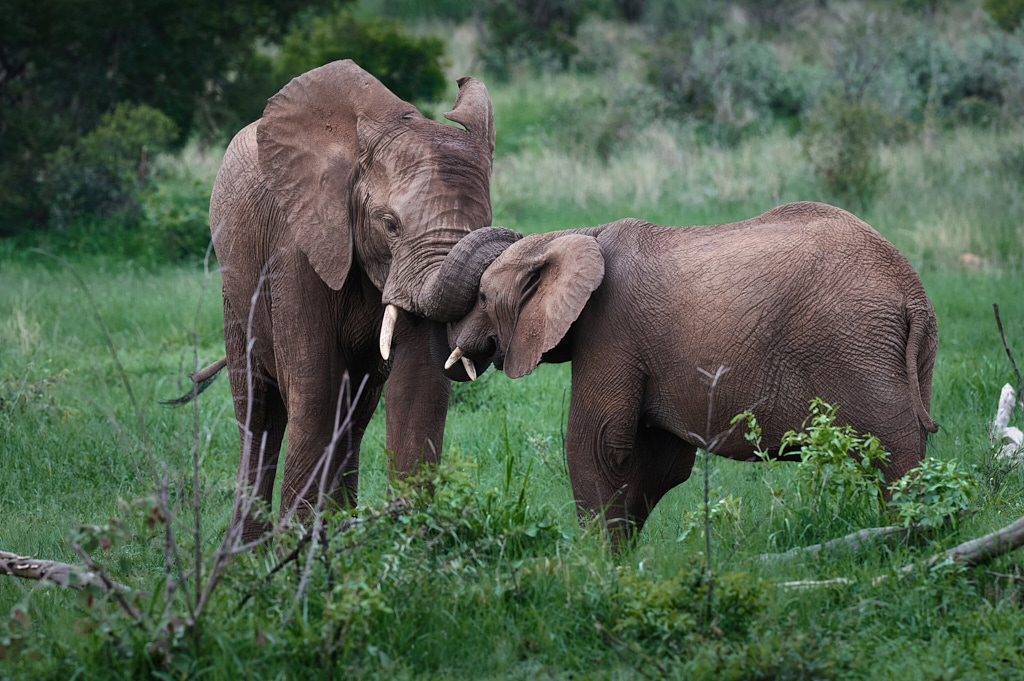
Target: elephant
(805, 301)
(334, 217)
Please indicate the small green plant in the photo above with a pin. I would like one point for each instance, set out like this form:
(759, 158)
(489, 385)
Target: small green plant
(838, 470)
(933, 493)
(726, 509)
(664, 614)
(837, 466)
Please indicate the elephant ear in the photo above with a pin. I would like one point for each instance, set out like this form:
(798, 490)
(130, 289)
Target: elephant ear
(309, 155)
(567, 271)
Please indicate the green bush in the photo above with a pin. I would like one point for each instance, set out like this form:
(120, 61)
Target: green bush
(452, 10)
(600, 123)
(664, 615)
(694, 18)
(535, 32)
(933, 493)
(410, 67)
(841, 142)
(838, 468)
(105, 172)
(1008, 14)
(728, 82)
(176, 218)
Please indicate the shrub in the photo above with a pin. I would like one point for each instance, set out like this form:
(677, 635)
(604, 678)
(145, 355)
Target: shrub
(729, 83)
(841, 142)
(600, 123)
(176, 218)
(105, 172)
(410, 67)
(665, 614)
(1008, 14)
(694, 18)
(536, 32)
(452, 10)
(838, 468)
(933, 493)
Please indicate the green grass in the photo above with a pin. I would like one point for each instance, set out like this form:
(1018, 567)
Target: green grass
(66, 463)
(493, 578)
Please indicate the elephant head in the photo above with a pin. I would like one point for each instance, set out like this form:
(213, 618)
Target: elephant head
(361, 174)
(529, 297)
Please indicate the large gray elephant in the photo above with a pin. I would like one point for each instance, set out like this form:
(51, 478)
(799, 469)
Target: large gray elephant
(333, 217)
(803, 301)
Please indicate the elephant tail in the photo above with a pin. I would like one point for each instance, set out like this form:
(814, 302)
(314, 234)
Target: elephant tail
(202, 380)
(922, 343)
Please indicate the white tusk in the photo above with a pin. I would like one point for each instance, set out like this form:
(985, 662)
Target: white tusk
(470, 369)
(453, 358)
(387, 329)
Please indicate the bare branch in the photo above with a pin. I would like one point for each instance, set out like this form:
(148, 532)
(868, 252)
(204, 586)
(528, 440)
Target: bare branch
(984, 549)
(999, 323)
(855, 541)
(66, 575)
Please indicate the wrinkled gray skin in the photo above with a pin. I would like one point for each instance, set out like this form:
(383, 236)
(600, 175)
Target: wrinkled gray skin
(804, 301)
(341, 199)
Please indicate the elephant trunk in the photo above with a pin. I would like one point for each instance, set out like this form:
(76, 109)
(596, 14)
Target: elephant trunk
(449, 293)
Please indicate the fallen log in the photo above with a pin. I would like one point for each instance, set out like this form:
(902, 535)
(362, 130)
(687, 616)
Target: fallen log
(973, 552)
(63, 574)
(983, 549)
(854, 541)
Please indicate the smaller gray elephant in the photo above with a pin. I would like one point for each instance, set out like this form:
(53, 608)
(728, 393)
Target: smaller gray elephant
(803, 301)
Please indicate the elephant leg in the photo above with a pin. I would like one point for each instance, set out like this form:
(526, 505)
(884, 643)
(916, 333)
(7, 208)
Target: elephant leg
(261, 418)
(415, 402)
(600, 447)
(661, 460)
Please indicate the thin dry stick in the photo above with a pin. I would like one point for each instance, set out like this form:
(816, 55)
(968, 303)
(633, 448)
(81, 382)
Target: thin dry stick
(999, 323)
(709, 446)
(341, 426)
(196, 498)
(111, 586)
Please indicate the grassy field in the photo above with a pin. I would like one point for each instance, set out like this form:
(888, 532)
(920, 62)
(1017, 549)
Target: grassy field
(492, 577)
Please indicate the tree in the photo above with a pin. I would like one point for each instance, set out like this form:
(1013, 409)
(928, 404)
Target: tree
(66, 63)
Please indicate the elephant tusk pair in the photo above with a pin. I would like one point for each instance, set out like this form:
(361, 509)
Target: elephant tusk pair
(387, 330)
(466, 362)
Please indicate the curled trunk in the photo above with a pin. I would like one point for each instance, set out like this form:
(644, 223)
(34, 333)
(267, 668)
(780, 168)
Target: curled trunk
(449, 294)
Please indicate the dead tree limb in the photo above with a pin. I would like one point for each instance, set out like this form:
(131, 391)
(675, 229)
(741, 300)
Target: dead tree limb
(63, 574)
(983, 549)
(973, 552)
(854, 541)
(999, 323)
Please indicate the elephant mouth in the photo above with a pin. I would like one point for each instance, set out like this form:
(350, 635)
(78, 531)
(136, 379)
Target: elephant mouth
(488, 355)
(457, 370)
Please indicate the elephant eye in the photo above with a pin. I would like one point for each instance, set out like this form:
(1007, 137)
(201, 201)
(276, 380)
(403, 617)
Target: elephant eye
(390, 224)
(483, 301)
